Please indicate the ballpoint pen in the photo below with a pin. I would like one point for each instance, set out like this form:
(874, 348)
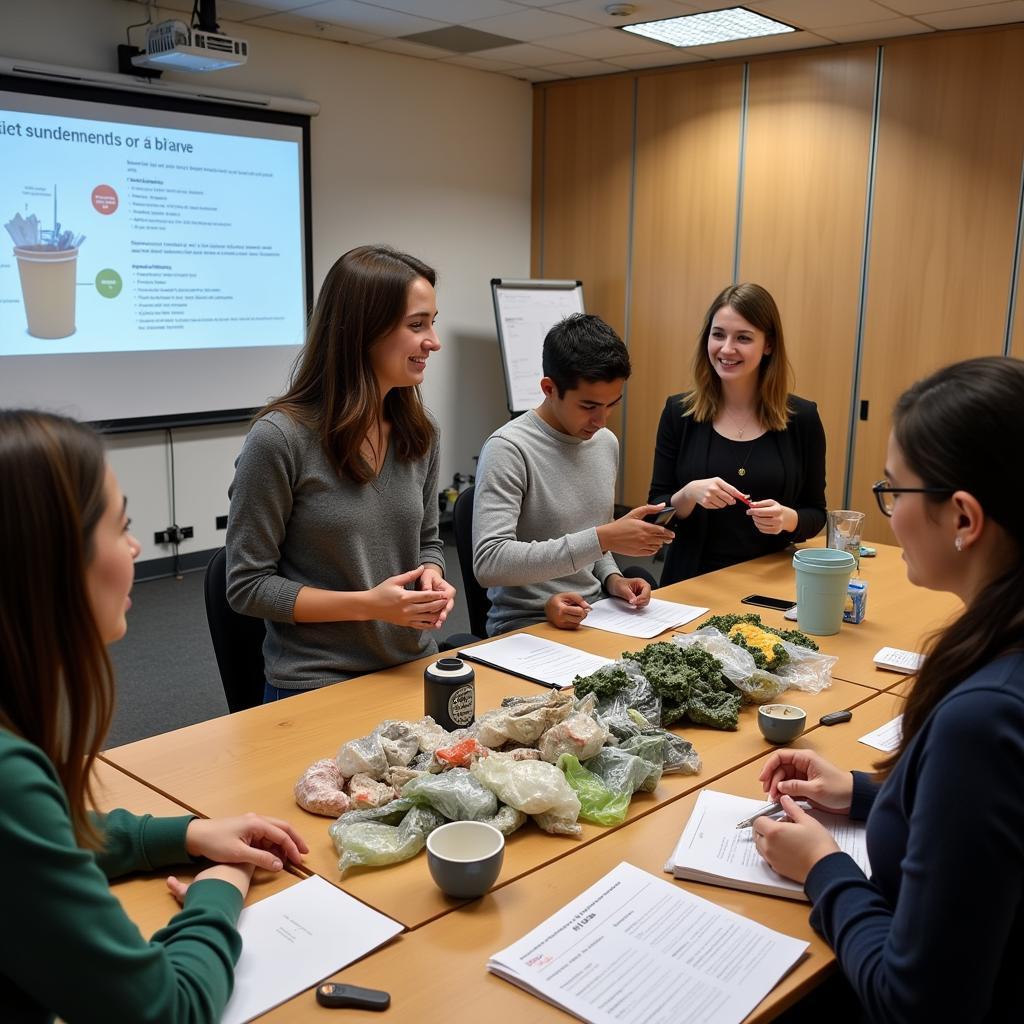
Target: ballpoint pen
(768, 809)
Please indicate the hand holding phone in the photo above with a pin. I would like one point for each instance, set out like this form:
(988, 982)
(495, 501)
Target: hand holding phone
(662, 518)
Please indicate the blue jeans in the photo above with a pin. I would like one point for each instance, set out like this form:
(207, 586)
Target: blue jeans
(273, 693)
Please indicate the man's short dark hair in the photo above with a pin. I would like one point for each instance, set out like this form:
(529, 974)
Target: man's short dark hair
(583, 347)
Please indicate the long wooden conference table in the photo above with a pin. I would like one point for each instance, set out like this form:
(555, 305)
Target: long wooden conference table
(436, 969)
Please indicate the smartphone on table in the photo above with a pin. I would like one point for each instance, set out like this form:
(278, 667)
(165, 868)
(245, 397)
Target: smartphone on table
(779, 604)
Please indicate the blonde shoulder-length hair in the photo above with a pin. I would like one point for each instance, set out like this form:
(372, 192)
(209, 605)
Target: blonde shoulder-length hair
(758, 308)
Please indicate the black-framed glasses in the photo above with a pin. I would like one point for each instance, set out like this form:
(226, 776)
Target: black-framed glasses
(886, 495)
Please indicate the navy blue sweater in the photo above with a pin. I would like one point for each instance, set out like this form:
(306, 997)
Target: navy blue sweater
(936, 933)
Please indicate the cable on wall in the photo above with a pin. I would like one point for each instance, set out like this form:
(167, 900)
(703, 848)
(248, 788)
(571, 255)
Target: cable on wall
(1011, 306)
(744, 101)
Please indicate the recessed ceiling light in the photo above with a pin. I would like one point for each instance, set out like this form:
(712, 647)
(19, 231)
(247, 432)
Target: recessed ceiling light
(712, 27)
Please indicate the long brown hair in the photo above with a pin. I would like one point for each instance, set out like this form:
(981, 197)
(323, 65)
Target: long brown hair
(758, 308)
(333, 389)
(954, 429)
(56, 683)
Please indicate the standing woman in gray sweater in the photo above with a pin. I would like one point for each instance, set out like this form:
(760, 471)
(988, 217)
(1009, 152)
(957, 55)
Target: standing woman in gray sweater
(332, 530)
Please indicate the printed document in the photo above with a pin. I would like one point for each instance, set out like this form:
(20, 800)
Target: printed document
(713, 850)
(297, 937)
(635, 948)
(617, 616)
(886, 737)
(534, 658)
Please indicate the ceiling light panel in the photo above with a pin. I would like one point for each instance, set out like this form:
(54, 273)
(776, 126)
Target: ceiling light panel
(713, 27)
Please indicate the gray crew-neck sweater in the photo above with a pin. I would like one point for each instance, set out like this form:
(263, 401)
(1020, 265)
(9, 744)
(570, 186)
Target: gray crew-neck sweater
(540, 496)
(293, 522)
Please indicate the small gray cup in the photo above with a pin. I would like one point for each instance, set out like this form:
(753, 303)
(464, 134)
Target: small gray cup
(465, 857)
(781, 723)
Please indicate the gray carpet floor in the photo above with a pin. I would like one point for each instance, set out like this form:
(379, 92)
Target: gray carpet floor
(166, 672)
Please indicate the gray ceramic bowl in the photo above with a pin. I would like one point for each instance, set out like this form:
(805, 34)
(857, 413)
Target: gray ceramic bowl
(465, 857)
(781, 723)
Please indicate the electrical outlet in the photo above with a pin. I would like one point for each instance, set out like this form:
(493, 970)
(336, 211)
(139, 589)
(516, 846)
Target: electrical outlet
(222, 522)
(174, 534)
(187, 533)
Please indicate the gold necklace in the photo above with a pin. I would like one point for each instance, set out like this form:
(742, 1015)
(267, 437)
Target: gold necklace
(740, 431)
(743, 468)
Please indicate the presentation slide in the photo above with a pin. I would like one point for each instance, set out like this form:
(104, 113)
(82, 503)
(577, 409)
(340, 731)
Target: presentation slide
(141, 250)
(128, 238)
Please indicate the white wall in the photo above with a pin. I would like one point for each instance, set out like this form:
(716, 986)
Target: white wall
(431, 158)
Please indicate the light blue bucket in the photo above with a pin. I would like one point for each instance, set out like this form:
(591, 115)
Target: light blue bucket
(822, 579)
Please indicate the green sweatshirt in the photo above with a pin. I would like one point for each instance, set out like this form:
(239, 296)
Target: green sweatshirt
(66, 945)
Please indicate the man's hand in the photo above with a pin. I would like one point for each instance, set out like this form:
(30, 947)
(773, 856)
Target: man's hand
(633, 591)
(566, 611)
(631, 536)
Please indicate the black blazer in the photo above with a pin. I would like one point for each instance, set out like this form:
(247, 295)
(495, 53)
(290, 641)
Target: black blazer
(681, 455)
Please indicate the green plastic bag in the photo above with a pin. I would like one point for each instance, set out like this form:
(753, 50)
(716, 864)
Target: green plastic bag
(597, 802)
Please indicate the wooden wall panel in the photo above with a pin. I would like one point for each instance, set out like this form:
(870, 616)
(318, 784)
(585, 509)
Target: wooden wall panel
(537, 183)
(588, 158)
(951, 137)
(802, 232)
(1017, 337)
(688, 132)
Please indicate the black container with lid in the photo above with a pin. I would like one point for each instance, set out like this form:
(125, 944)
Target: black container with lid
(449, 695)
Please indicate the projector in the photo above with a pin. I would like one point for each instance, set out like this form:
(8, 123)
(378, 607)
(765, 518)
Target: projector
(174, 46)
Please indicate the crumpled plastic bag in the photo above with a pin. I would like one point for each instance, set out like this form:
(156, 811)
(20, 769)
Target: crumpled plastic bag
(598, 803)
(456, 794)
(429, 734)
(623, 772)
(678, 755)
(637, 692)
(372, 843)
(535, 787)
(367, 792)
(319, 790)
(362, 756)
(523, 721)
(507, 820)
(580, 734)
(460, 754)
(392, 744)
(807, 670)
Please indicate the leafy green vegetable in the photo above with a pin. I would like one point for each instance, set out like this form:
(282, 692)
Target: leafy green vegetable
(604, 683)
(723, 623)
(687, 680)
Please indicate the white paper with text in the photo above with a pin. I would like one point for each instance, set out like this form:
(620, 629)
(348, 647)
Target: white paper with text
(635, 948)
(532, 657)
(617, 616)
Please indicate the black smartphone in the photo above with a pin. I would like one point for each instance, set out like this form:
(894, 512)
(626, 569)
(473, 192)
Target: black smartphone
(662, 518)
(780, 604)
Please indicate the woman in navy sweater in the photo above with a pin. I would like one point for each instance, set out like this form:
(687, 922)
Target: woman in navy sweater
(935, 932)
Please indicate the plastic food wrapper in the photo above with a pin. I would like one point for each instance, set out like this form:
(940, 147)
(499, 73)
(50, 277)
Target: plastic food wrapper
(535, 787)
(507, 820)
(598, 803)
(524, 721)
(399, 775)
(456, 794)
(622, 683)
(678, 755)
(429, 734)
(400, 741)
(623, 772)
(460, 754)
(810, 671)
(372, 843)
(366, 792)
(363, 756)
(319, 790)
(580, 734)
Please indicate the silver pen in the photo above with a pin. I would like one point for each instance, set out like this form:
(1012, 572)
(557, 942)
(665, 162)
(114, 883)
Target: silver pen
(768, 809)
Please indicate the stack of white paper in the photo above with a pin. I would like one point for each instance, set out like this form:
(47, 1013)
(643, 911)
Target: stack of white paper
(712, 849)
(617, 616)
(892, 659)
(637, 948)
(534, 658)
(297, 937)
(886, 737)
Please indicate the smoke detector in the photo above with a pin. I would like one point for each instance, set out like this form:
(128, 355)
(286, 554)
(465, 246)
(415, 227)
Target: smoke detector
(620, 10)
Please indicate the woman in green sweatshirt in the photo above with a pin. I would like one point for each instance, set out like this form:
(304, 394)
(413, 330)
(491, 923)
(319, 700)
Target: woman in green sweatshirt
(66, 568)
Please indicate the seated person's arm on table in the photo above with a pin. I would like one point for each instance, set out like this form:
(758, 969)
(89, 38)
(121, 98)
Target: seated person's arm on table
(500, 559)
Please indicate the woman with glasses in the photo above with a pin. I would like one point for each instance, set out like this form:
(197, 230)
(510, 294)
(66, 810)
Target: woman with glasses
(936, 931)
(740, 459)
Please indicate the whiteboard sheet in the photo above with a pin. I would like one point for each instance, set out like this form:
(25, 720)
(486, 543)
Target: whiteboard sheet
(526, 311)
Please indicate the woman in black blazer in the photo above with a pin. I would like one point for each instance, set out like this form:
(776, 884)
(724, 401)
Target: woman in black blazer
(740, 459)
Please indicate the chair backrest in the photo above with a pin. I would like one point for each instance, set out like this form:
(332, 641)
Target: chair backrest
(237, 640)
(477, 603)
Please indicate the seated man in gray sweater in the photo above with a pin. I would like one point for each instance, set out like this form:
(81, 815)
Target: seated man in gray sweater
(543, 532)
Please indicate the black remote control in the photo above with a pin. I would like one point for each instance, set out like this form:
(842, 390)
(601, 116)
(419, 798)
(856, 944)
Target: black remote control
(338, 996)
(835, 717)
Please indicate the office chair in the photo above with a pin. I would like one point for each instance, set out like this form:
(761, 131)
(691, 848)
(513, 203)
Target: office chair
(237, 640)
(477, 603)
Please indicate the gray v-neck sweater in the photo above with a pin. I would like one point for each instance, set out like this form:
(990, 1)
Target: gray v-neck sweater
(294, 522)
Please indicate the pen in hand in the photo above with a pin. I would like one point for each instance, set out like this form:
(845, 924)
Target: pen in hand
(768, 809)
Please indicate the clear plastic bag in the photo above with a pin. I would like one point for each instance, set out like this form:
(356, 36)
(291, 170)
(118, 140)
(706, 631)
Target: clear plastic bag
(456, 794)
(368, 843)
(507, 820)
(581, 734)
(634, 691)
(535, 787)
(367, 792)
(623, 772)
(678, 755)
(598, 803)
(320, 789)
(524, 721)
(363, 756)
